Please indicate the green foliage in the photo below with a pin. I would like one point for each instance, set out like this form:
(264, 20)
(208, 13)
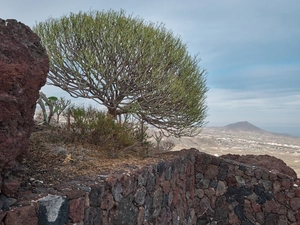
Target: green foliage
(55, 106)
(95, 127)
(129, 66)
(51, 103)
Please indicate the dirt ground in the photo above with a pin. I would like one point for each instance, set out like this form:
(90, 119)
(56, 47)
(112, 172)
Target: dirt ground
(53, 159)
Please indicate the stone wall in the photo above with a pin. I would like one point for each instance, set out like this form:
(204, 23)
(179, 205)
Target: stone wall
(188, 187)
(233, 193)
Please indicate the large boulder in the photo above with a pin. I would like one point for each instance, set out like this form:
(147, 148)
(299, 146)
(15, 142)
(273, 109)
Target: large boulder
(265, 161)
(24, 65)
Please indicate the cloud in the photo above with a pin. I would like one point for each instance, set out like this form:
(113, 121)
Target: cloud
(276, 78)
(250, 49)
(239, 33)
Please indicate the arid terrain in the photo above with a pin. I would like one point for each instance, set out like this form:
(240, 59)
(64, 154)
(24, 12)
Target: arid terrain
(53, 159)
(243, 138)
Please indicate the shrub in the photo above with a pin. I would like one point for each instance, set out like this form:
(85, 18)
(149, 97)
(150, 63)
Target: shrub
(95, 127)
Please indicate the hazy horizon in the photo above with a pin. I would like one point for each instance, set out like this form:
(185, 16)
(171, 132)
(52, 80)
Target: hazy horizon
(272, 129)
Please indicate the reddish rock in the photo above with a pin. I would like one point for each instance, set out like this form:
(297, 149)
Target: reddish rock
(282, 210)
(128, 185)
(256, 207)
(10, 187)
(271, 206)
(295, 203)
(266, 161)
(166, 187)
(22, 215)
(24, 65)
(290, 215)
(107, 202)
(2, 215)
(210, 192)
(280, 197)
(140, 217)
(286, 184)
(297, 216)
(192, 189)
(276, 186)
(248, 211)
(231, 181)
(233, 219)
(72, 194)
(199, 193)
(211, 172)
(273, 175)
(297, 192)
(176, 197)
(76, 210)
(200, 168)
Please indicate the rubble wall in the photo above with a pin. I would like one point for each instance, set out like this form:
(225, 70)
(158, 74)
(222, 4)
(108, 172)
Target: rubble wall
(188, 187)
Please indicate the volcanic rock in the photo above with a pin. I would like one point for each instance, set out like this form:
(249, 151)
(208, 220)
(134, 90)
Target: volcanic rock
(24, 65)
(265, 161)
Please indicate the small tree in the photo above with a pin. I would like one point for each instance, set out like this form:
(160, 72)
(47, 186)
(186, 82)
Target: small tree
(62, 104)
(129, 66)
(158, 138)
(49, 102)
(55, 106)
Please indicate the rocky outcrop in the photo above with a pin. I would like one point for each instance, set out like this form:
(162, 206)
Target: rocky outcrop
(266, 161)
(186, 187)
(24, 65)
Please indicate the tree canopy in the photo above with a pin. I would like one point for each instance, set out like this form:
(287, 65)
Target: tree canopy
(129, 66)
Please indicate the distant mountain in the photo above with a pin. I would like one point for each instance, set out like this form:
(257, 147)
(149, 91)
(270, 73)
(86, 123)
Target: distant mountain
(244, 126)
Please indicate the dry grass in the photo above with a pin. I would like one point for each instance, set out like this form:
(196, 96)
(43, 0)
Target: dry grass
(57, 156)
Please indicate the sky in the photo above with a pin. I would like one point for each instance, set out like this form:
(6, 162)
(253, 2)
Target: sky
(250, 50)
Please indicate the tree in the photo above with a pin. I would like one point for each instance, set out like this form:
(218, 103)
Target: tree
(63, 105)
(55, 106)
(51, 103)
(129, 66)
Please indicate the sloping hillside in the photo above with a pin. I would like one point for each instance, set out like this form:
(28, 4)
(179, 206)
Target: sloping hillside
(243, 126)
